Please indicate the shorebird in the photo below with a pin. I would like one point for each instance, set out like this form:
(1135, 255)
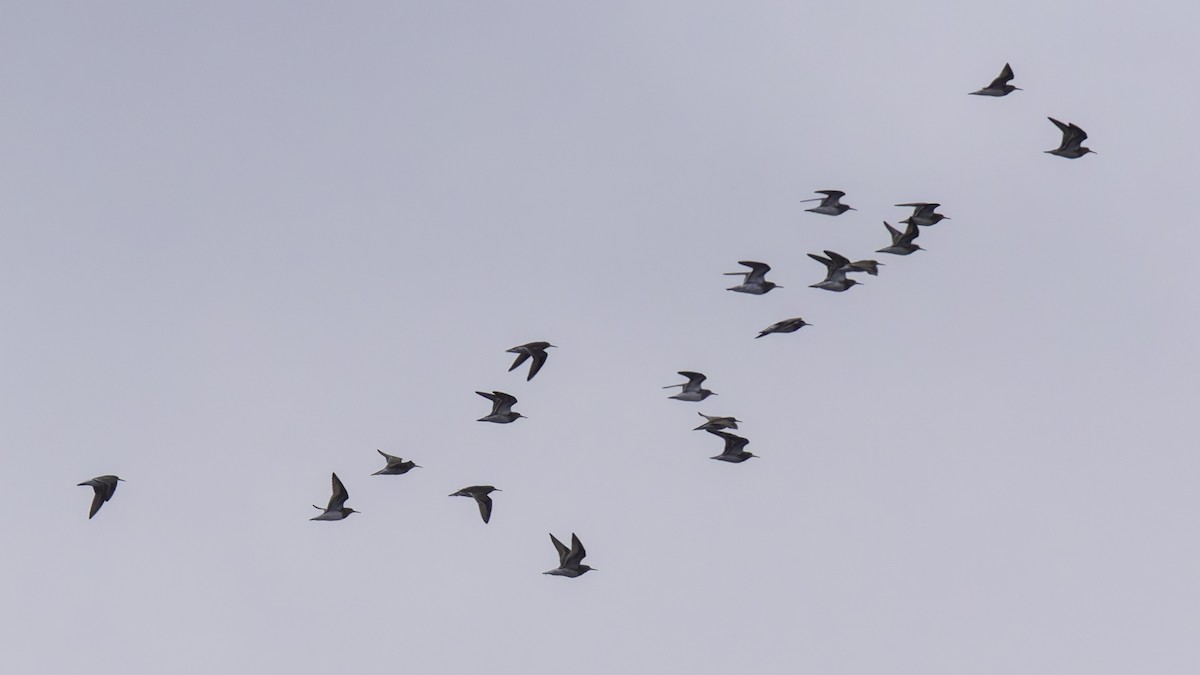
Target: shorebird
(337, 509)
(755, 282)
(502, 404)
(480, 494)
(1073, 136)
(568, 559)
(1000, 85)
(835, 281)
(535, 349)
(830, 206)
(733, 451)
(785, 326)
(105, 487)
(837, 262)
(395, 465)
(902, 242)
(691, 389)
(716, 423)
(923, 214)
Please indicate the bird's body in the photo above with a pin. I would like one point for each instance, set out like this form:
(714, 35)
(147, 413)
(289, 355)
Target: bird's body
(714, 423)
(105, 487)
(536, 350)
(755, 282)
(830, 204)
(785, 326)
(337, 509)
(569, 564)
(734, 448)
(902, 242)
(395, 465)
(837, 262)
(1000, 85)
(502, 404)
(691, 389)
(836, 282)
(480, 493)
(1072, 140)
(923, 214)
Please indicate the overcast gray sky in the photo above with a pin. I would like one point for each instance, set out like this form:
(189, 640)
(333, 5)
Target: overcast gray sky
(246, 244)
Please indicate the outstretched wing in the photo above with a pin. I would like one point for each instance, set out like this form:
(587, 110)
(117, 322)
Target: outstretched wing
(485, 506)
(539, 358)
(1005, 75)
(339, 497)
(563, 551)
(694, 379)
(575, 556)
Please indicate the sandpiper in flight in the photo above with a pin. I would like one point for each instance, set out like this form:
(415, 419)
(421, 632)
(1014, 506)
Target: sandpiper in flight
(715, 423)
(835, 281)
(755, 282)
(830, 204)
(691, 389)
(537, 350)
(902, 242)
(734, 445)
(480, 494)
(1000, 85)
(785, 326)
(837, 262)
(395, 465)
(337, 509)
(1072, 138)
(105, 487)
(569, 564)
(502, 404)
(923, 214)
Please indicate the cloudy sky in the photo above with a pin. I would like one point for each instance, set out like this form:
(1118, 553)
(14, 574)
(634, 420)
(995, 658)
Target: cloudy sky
(246, 244)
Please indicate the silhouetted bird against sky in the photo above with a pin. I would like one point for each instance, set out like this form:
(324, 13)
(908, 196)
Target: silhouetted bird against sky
(337, 509)
(395, 465)
(691, 388)
(105, 487)
(923, 214)
(835, 281)
(837, 262)
(830, 204)
(785, 326)
(537, 350)
(1000, 85)
(502, 404)
(755, 282)
(480, 494)
(1072, 138)
(713, 423)
(569, 564)
(902, 242)
(734, 445)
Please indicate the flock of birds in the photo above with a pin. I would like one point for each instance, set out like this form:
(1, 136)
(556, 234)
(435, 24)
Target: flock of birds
(754, 282)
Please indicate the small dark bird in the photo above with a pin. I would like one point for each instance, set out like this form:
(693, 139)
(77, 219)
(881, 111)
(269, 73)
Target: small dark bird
(1000, 85)
(568, 559)
(835, 281)
(535, 349)
(902, 243)
(337, 509)
(502, 404)
(395, 465)
(837, 262)
(105, 487)
(785, 326)
(755, 282)
(691, 389)
(923, 214)
(714, 423)
(480, 494)
(733, 451)
(830, 204)
(1072, 139)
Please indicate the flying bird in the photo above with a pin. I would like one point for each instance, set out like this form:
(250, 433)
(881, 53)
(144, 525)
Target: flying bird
(537, 350)
(569, 564)
(734, 445)
(1000, 85)
(337, 509)
(714, 423)
(691, 389)
(1072, 139)
(923, 214)
(835, 281)
(902, 242)
(395, 465)
(502, 404)
(480, 494)
(105, 487)
(837, 262)
(755, 282)
(830, 204)
(785, 326)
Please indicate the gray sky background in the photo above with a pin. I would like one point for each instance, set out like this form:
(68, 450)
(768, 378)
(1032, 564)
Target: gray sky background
(246, 244)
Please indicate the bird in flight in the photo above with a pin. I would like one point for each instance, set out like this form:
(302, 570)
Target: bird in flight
(337, 509)
(480, 493)
(785, 326)
(105, 487)
(1000, 85)
(714, 423)
(755, 282)
(395, 465)
(569, 564)
(902, 242)
(734, 448)
(691, 389)
(923, 214)
(502, 404)
(830, 204)
(1072, 139)
(536, 350)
